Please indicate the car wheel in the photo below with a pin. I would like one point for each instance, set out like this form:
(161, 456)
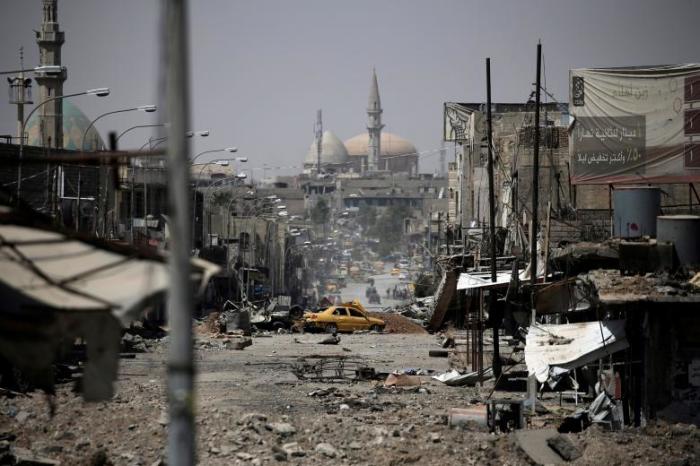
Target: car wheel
(296, 312)
(376, 328)
(331, 328)
(278, 325)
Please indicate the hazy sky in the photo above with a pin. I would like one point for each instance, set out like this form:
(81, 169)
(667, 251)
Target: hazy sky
(260, 69)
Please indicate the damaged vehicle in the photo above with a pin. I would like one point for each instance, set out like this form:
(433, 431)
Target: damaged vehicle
(345, 317)
(279, 313)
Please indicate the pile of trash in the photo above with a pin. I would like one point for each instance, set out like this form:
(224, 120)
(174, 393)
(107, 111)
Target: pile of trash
(455, 378)
(419, 310)
(141, 337)
(603, 410)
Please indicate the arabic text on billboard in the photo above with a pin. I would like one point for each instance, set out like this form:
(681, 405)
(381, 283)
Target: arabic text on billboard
(635, 125)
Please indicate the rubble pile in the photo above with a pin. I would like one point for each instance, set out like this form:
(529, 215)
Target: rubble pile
(650, 285)
(397, 323)
(142, 337)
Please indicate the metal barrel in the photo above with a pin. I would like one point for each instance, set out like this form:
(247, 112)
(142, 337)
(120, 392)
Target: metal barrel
(684, 232)
(635, 209)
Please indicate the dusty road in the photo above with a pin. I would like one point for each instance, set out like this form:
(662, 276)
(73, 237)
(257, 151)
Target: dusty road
(356, 290)
(251, 409)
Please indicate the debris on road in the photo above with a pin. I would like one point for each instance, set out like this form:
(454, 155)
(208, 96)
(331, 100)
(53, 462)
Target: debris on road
(330, 340)
(402, 380)
(454, 378)
(396, 323)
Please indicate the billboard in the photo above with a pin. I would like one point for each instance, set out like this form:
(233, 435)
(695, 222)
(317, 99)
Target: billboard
(635, 125)
(460, 122)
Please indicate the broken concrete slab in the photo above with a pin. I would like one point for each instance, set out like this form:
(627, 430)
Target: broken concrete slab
(534, 444)
(24, 457)
(564, 447)
(402, 380)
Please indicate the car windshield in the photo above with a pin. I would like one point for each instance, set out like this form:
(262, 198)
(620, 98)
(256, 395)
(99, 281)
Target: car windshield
(356, 313)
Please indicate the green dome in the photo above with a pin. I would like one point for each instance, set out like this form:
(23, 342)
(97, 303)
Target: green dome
(74, 124)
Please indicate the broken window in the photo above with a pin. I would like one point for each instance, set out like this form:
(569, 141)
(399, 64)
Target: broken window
(244, 241)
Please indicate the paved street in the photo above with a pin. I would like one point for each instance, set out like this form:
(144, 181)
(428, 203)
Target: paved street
(356, 290)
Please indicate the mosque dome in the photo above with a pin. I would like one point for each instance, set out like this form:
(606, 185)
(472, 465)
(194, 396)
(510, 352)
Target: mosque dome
(74, 124)
(390, 145)
(333, 151)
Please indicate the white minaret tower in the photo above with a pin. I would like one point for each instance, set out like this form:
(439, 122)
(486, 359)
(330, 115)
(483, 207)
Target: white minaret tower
(50, 39)
(319, 140)
(374, 125)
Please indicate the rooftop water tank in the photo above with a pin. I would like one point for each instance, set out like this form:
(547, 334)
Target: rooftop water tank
(684, 232)
(635, 209)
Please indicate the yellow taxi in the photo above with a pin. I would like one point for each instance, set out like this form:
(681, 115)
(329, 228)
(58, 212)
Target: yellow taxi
(395, 271)
(345, 317)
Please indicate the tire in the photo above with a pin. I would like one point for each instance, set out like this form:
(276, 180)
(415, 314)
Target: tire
(376, 328)
(296, 313)
(278, 325)
(331, 328)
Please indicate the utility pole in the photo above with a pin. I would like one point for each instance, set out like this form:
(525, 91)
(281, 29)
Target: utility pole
(493, 317)
(439, 233)
(181, 397)
(430, 240)
(531, 381)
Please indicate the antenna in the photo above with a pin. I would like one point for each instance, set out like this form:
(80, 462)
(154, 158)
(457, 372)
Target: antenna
(443, 153)
(319, 140)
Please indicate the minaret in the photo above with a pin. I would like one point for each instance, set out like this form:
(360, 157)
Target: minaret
(319, 141)
(374, 125)
(50, 39)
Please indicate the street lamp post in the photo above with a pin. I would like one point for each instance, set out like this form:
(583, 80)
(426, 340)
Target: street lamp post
(196, 185)
(138, 126)
(142, 108)
(153, 143)
(99, 92)
(151, 146)
(205, 200)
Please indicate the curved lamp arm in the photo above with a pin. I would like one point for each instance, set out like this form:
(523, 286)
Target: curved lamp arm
(145, 108)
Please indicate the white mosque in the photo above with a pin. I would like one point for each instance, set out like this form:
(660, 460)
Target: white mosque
(372, 151)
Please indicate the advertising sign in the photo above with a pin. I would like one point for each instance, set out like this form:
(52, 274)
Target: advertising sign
(635, 125)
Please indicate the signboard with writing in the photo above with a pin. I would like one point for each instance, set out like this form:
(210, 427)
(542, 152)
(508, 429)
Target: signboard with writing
(635, 125)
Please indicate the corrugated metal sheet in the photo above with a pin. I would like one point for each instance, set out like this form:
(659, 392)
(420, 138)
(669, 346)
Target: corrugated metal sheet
(553, 349)
(56, 287)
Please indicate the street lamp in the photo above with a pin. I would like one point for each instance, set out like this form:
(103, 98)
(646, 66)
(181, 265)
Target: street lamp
(188, 134)
(196, 184)
(227, 149)
(99, 92)
(44, 69)
(209, 193)
(138, 126)
(142, 108)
